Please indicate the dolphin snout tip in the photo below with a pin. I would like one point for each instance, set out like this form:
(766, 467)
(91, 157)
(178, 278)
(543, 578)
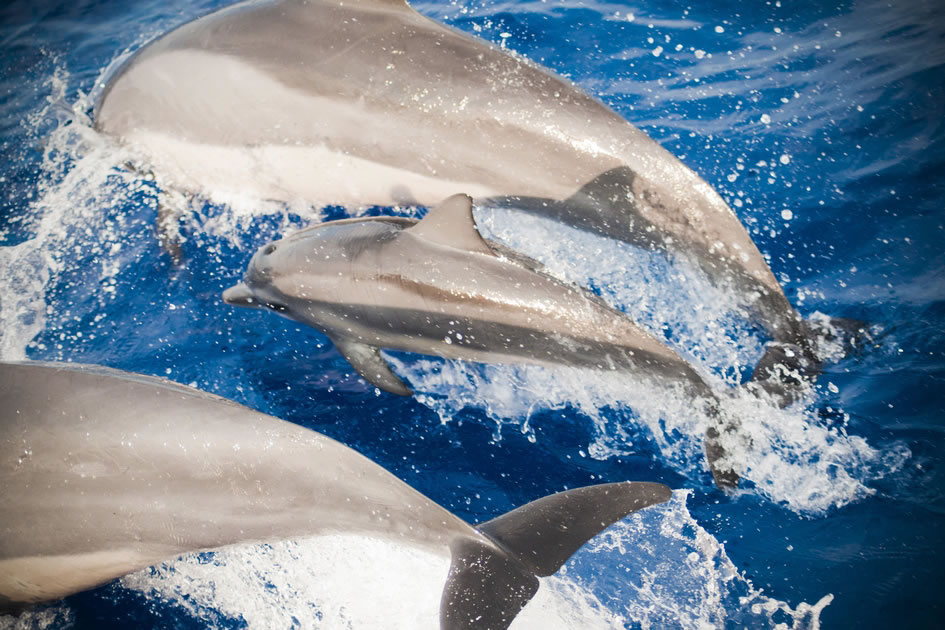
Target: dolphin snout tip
(239, 295)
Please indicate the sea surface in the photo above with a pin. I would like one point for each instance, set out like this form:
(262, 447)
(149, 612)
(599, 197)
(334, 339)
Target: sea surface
(822, 125)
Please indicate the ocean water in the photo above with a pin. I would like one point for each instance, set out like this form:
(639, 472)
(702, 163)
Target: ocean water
(820, 123)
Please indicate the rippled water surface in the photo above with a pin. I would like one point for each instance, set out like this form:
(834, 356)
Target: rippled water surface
(821, 125)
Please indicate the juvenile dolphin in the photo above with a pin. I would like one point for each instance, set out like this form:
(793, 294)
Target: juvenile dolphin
(437, 287)
(104, 472)
(367, 102)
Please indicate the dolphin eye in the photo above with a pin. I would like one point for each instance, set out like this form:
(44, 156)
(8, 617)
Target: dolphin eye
(269, 249)
(275, 306)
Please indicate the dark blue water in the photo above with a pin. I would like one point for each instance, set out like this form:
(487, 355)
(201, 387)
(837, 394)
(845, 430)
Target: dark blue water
(822, 125)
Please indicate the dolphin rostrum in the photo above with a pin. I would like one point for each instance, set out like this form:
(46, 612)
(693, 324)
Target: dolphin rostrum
(104, 472)
(367, 102)
(437, 287)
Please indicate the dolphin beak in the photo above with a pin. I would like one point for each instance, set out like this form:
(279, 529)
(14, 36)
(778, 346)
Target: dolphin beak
(240, 295)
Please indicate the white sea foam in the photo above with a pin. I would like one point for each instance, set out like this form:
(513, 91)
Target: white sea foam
(49, 617)
(338, 582)
(680, 576)
(789, 455)
(89, 188)
(655, 569)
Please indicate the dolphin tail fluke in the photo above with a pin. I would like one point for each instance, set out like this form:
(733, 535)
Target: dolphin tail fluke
(850, 333)
(784, 369)
(168, 228)
(722, 473)
(723, 429)
(489, 585)
(787, 366)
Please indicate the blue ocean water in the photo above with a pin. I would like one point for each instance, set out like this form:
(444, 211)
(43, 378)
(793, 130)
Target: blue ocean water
(822, 125)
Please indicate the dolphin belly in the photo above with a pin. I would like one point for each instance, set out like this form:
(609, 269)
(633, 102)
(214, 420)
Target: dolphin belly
(290, 154)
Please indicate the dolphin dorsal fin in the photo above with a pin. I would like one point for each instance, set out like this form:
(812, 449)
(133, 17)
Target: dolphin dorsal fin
(451, 223)
(610, 186)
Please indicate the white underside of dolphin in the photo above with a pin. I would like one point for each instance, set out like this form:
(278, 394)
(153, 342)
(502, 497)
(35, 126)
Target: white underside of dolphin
(104, 472)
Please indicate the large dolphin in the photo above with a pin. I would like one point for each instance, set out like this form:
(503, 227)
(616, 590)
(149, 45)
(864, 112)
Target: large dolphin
(367, 102)
(437, 287)
(104, 472)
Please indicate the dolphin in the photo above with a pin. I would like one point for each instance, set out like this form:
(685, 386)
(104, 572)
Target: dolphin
(367, 102)
(103, 472)
(435, 286)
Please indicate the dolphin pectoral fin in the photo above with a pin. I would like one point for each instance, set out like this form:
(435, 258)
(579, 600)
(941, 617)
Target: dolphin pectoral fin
(488, 586)
(170, 204)
(451, 223)
(368, 362)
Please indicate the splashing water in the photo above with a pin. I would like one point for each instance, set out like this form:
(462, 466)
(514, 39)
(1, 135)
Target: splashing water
(822, 137)
(40, 618)
(96, 213)
(666, 551)
(337, 582)
(787, 455)
(655, 569)
(79, 177)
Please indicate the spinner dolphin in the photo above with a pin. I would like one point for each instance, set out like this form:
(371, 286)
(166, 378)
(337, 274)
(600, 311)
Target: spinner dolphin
(104, 472)
(367, 102)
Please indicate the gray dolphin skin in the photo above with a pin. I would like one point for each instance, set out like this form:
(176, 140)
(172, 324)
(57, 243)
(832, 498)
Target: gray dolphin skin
(104, 472)
(437, 287)
(367, 102)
